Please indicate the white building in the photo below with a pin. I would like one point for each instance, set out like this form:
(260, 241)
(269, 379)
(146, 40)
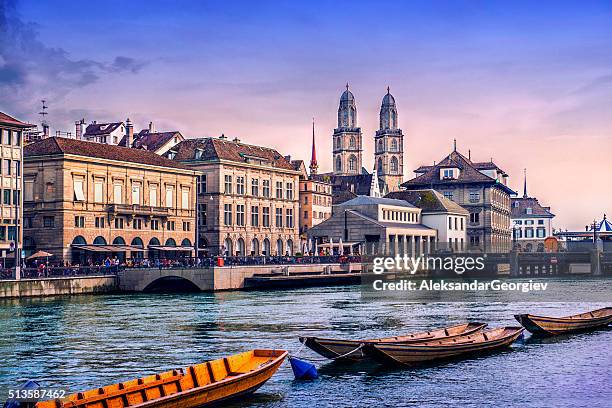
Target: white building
(441, 214)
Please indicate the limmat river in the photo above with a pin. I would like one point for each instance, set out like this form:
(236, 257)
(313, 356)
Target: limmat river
(85, 342)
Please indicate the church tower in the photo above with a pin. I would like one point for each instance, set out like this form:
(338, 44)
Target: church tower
(347, 146)
(389, 145)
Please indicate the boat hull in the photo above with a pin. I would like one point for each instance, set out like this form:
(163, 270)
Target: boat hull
(352, 350)
(550, 326)
(201, 385)
(460, 347)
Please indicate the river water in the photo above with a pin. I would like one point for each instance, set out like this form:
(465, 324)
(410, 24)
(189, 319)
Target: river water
(88, 341)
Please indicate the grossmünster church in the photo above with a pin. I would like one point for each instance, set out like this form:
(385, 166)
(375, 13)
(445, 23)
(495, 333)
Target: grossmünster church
(350, 175)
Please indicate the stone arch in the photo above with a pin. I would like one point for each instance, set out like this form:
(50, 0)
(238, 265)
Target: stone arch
(170, 242)
(352, 142)
(171, 283)
(267, 247)
(379, 167)
(99, 240)
(228, 246)
(338, 163)
(290, 247)
(240, 247)
(381, 146)
(255, 247)
(394, 165)
(137, 242)
(279, 247)
(118, 241)
(394, 147)
(154, 253)
(186, 243)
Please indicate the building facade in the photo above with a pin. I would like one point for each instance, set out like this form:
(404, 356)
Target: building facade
(11, 144)
(370, 225)
(389, 146)
(248, 201)
(531, 222)
(85, 201)
(347, 138)
(441, 214)
(481, 188)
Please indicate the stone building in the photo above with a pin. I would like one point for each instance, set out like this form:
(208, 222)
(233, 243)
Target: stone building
(376, 226)
(531, 222)
(441, 214)
(389, 146)
(479, 187)
(11, 140)
(248, 197)
(347, 143)
(86, 200)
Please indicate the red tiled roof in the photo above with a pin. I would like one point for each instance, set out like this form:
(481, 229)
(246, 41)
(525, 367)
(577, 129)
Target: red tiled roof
(60, 145)
(222, 149)
(9, 120)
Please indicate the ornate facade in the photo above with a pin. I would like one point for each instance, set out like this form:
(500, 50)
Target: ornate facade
(389, 146)
(347, 140)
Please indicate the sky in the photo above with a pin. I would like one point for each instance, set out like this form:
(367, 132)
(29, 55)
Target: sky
(528, 84)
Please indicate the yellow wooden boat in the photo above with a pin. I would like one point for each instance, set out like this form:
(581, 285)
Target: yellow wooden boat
(196, 386)
(548, 326)
(351, 349)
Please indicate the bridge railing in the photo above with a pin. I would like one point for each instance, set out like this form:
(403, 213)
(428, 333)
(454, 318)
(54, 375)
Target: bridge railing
(59, 272)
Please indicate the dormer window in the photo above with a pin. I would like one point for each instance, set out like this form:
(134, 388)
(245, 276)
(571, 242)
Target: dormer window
(516, 204)
(529, 211)
(171, 154)
(198, 154)
(446, 174)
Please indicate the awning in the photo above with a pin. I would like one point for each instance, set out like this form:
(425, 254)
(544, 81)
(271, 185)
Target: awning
(170, 248)
(108, 248)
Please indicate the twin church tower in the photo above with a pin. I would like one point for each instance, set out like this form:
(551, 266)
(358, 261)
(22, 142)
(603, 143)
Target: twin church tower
(388, 142)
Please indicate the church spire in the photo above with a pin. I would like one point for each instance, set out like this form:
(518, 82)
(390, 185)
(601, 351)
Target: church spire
(374, 186)
(313, 157)
(525, 184)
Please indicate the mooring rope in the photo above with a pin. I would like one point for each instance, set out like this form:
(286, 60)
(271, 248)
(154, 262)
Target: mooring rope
(299, 350)
(350, 352)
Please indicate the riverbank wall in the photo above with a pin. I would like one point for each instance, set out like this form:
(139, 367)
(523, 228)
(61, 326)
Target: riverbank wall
(58, 286)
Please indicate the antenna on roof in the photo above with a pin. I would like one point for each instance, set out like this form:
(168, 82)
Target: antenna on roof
(525, 184)
(470, 155)
(454, 145)
(43, 112)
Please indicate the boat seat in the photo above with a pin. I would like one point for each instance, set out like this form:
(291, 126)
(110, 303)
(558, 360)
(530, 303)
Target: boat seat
(485, 336)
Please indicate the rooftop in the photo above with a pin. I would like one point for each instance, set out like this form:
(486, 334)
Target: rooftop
(519, 208)
(101, 128)
(367, 200)
(59, 145)
(9, 120)
(151, 141)
(430, 201)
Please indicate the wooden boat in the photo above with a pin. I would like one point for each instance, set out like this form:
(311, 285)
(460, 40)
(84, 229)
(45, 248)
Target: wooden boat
(341, 349)
(548, 326)
(430, 351)
(196, 386)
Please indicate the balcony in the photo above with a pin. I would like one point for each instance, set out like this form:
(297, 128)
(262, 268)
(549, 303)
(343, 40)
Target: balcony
(136, 209)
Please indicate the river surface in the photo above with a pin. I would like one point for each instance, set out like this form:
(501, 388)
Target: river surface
(87, 341)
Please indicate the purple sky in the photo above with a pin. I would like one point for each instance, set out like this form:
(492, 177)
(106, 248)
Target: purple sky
(529, 85)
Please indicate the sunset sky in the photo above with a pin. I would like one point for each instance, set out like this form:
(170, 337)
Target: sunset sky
(528, 84)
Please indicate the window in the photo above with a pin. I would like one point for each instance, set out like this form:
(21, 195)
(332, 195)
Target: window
(352, 142)
(186, 226)
(171, 225)
(17, 164)
(99, 222)
(529, 210)
(255, 187)
(28, 222)
(119, 223)
(462, 224)
(279, 217)
(137, 223)
(266, 188)
(279, 189)
(450, 223)
(518, 222)
(153, 195)
(117, 199)
(541, 232)
(289, 191)
(6, 197)
(169, 194)
(305, 199)
(155, 225)
(79, 221)
(448, 173)
(6, 137)
(28, 186)
(475, 218)
(98, 191)
(456, 223)
(135, 193)
(394, 145)
(305, 215)
(202, 184)
(255, 216)
(394, 165)
(202, 210)
(518, 233)
(475, 241)
(17, 135)
(289, 217)
(185, 199)
(48, 222)
(474, 196)
(240, 185)
(6, 168)
(240, 215)
(338, 163)
(266, 216)
(228, 184)
(528, 222)
(528, 232)
(448, 194)
(79, 195)
(227, 214)
(352, 163)
(540, 222)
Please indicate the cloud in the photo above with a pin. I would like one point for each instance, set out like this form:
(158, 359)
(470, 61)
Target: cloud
(30, 70)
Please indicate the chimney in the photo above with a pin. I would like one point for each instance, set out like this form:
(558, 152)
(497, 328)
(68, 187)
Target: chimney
(236, 140)
(45, 130)
(470, 155)
(79, 128)
(222, 137)
(129, 133)
(151, 127)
